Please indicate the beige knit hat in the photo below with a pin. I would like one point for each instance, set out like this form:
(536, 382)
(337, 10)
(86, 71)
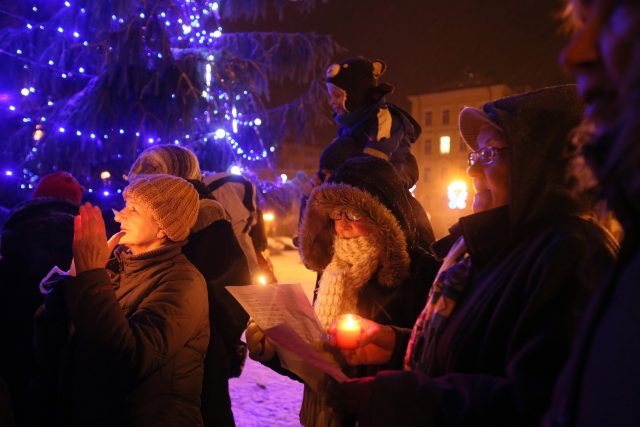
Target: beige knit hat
(169, 159)
(172, 201)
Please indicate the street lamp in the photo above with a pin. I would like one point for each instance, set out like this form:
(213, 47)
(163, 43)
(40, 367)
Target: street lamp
(457, 193)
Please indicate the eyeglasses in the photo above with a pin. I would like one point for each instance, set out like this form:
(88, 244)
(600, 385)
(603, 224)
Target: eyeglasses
(351, 215)
(486, 155)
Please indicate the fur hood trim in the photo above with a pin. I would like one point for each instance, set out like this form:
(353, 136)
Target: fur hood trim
(317, 231)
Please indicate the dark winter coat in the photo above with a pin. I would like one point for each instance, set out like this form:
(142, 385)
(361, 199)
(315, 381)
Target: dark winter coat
(36, 237)
(599, 385)
(140, 334)
(533, 264)
(214, 251)
(383, 130)
(396, 292)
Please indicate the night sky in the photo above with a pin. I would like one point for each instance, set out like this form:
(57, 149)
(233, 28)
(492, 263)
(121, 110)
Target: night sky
(431, 45)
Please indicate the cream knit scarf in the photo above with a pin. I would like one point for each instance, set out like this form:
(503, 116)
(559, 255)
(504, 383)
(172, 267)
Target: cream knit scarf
(354, 263)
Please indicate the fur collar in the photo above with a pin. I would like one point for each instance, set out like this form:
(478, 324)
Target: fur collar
(317, 231)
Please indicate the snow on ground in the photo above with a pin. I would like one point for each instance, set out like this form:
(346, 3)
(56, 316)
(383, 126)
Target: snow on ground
(262, 397)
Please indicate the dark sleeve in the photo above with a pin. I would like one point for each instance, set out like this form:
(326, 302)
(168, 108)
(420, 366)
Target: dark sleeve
(216, 253)
(538, 347)
(51, 328)
(140, 344)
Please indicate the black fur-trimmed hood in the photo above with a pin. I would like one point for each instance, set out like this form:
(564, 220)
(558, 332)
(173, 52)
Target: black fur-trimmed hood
(372, 187)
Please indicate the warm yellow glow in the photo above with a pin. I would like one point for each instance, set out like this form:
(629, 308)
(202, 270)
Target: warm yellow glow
(37, 135)
(268, 216)
(445, 144)
(349, 323)
(262, 280)
(457, 193)
(105, 175)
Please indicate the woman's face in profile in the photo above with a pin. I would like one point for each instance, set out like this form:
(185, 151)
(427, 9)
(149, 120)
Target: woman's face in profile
(490, 174)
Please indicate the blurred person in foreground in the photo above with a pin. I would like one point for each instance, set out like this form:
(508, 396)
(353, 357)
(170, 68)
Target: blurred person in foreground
(599, 386)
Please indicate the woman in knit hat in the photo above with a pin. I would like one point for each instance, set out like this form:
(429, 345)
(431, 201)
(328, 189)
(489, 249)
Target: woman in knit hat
(140, 325)
(504, 308)
(359, 231)
(215, 251)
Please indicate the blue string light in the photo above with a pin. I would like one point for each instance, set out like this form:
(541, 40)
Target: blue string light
(184, 19)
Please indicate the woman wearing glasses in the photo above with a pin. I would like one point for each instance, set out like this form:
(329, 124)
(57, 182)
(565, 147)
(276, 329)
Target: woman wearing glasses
(503, 309)
(359, 231)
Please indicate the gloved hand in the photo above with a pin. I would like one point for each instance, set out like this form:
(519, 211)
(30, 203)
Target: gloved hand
(260, 347)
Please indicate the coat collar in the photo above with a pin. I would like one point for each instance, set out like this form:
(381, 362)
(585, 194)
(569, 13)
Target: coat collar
(130, 263)
(485, 234)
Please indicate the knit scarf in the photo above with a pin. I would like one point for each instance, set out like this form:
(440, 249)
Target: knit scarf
(448, 286)
(354, 263)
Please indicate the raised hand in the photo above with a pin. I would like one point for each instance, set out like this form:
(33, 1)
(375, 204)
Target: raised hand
(90, 247)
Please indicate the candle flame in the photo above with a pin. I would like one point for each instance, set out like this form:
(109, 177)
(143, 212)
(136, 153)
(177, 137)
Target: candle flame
(349, 322)
(262, 280)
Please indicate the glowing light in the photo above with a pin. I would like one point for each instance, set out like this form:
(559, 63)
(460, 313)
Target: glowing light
(284, 177)
(257, 122)
(38, 134)
(445, 144)
(24, 91)
(217, 34)
(221, 133)
(61, 129)
(262, 280)
(457, 193)
(8, 173)
(105, 175)
(268, 216)
(235, 170)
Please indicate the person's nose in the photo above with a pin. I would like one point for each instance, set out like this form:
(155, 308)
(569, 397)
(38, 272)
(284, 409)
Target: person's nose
(119, 215)
(342, 223)
(582, 50)
(474, 170)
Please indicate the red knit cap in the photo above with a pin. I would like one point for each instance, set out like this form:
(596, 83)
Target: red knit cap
(61, 185)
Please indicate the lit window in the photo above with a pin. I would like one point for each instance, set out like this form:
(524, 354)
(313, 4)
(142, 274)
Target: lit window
(445, 144)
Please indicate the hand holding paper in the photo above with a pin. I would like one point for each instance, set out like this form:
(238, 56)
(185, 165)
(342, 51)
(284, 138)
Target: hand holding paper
(287, 318)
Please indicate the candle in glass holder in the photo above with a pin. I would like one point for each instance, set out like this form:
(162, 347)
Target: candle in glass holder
(348, 331)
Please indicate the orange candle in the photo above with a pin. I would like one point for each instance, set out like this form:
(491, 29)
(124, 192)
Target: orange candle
(348, 331)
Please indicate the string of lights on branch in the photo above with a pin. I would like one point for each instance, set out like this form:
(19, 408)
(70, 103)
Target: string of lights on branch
(190, 26)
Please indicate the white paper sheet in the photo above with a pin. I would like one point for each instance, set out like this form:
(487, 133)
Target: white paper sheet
(284, 313)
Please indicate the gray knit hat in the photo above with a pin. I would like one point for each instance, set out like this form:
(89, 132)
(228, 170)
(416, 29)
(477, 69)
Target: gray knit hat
(172, 201)
(170, 159)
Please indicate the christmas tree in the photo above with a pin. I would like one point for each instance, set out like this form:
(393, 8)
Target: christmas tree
(88, 84)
